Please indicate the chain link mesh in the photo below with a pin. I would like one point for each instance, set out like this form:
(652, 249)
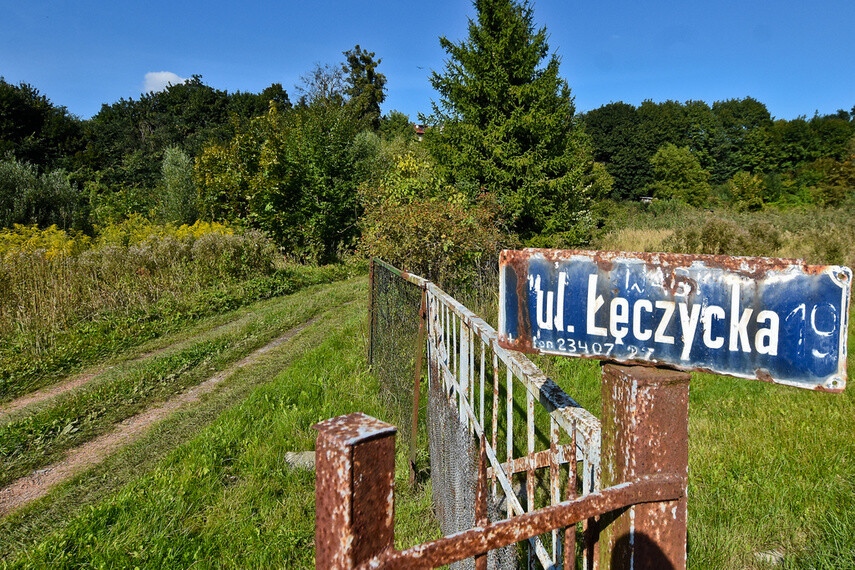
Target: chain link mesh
(394, 314)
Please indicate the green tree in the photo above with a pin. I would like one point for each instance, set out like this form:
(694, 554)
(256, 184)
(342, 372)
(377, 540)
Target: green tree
(35, 130)
(28, 197)
(678, 174)
(293, 175)
(614, 132)
(366, 87)
(396, 124)
(505, 123)
(746, 190)
(178, 195)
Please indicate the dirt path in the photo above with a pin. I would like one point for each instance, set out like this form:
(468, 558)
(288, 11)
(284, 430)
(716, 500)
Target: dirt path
(82, 379)
(40, 482)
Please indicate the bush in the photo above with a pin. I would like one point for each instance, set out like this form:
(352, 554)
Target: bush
(27, 197)
(447, 242)
(50, 280)
(719, 236)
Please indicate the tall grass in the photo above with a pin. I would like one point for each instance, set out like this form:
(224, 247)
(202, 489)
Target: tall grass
(50, 280)
(226, 498)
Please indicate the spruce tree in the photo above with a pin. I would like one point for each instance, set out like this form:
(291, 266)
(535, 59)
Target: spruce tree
(505, 121)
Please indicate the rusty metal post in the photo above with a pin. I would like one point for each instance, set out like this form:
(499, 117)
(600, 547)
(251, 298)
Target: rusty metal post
(481, 514)
(354, 490)
(645, 432)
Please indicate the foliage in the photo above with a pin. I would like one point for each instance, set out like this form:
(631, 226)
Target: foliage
(178, 196)
(366, 87)
(746, 190)
(677, 173)
(127, 140)
(36, 131)
(729, 137)
(27, 197)
(292, 175)
(50, 281)
(396, 124)
(443, 241)
(504, 124)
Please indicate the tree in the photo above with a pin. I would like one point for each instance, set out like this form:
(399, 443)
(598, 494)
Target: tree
(28, 197)
(365, 85)
(614, 132)
(293, 175)
(178, 196)
(504, 123)
(678, 174)
(396, 124)
(35, 130)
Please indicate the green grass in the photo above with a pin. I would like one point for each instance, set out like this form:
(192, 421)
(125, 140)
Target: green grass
(36, 438)
(22, 370)
(771, 468)
(226, 498)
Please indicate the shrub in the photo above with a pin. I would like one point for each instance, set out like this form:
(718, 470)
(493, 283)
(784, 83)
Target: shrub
(719, 236)
(447, 242)
(50, 280)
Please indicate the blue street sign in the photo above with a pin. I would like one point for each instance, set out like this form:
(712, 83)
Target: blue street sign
(776, 320)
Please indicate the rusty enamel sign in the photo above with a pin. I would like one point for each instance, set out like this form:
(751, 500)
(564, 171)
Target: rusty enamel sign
(777, 320)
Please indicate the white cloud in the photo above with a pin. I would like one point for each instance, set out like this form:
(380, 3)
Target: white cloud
(160, 80)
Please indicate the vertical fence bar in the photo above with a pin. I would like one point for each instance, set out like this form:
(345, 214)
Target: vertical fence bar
(495, 434)
(530, 467)
(570, 494)
(354, 490)
(554, 482)
(483, 371)
(645, 432)
(371, 296)
(509, 426)
(481, 514)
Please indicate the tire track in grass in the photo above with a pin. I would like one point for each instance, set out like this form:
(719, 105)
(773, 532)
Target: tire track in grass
(41, 481)
(84, 378)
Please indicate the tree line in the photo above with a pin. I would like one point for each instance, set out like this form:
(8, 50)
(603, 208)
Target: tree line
(731, 151)
(505, 159)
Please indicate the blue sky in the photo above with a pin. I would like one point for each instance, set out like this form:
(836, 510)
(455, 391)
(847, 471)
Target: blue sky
(796, 57)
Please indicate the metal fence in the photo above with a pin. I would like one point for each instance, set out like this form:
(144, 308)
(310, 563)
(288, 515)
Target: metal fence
(541, 446)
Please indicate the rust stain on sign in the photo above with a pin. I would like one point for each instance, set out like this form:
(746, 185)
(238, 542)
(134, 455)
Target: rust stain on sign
(771, 319)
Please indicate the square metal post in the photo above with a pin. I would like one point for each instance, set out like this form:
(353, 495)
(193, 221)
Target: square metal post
(354, 490)
(645, 432)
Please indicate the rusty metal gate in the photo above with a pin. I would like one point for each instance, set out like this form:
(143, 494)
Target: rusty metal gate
(513, 458)
(497, 395)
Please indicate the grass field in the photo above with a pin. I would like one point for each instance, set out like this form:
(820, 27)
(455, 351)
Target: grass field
(772, 469)
(209, 486)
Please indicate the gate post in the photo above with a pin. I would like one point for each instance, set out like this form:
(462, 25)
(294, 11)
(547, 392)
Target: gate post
(645, 432)
(354, 490)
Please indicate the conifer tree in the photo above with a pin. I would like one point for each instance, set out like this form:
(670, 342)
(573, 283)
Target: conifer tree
(505, 121)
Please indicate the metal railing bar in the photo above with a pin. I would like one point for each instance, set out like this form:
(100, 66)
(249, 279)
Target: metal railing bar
(488, 537)
(511, 500)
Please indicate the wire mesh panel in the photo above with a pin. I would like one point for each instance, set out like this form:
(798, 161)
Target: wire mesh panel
(394, 306)
(542, 447)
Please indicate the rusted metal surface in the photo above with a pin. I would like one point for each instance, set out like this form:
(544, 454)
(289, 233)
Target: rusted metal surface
(456, 340)
(487, 537)
(354, 490)
(539, 459)
(481, 518)
(570, 531)
(777, 320)
(645, 414)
